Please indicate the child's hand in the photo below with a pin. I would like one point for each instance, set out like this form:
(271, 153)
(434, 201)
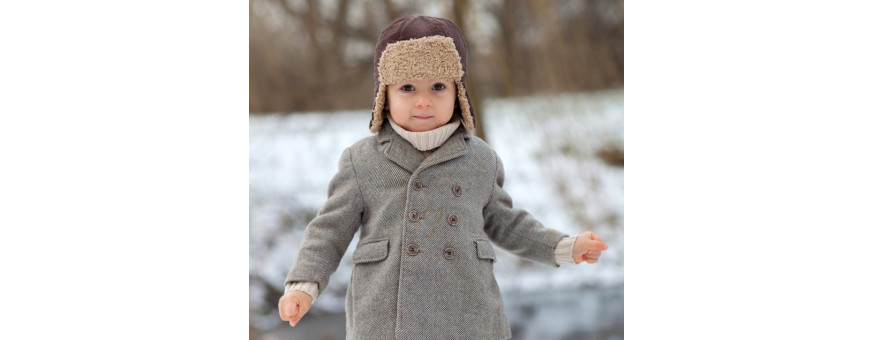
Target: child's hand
(588, 247)
(293, 305)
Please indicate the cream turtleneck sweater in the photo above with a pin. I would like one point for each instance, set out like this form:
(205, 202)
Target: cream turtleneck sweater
(426, 142)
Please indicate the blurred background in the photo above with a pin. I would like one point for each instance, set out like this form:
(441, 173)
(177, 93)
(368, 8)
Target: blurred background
(546, 79)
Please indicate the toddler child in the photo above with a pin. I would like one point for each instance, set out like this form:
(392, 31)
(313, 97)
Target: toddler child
(427, 197)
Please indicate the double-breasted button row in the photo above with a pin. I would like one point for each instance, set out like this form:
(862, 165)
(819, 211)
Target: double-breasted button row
(413, 250)
(452, 219)
(418, 185)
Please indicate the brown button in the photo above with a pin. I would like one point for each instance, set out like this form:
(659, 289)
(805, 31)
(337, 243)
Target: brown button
(449, 253)
(413, 215)
(456, 190)
(413, 249)
(452, 219)
(417, 184)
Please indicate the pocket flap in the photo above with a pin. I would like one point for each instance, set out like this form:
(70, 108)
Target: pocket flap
(484, 250)
(376, 250)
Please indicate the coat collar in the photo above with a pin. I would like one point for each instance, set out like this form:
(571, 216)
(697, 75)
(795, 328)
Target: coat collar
(404, 154)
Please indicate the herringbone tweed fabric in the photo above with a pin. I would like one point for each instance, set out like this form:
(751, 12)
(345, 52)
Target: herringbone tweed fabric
(423, 267)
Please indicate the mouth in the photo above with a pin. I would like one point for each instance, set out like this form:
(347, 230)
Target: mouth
(423, 117)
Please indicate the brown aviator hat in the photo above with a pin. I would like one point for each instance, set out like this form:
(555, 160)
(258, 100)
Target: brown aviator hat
(420, 47)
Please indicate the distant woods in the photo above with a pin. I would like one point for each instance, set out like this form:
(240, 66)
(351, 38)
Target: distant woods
(307, 55)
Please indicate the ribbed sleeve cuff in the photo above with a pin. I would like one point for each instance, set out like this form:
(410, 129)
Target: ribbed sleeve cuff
(564, 251)
(311, 288)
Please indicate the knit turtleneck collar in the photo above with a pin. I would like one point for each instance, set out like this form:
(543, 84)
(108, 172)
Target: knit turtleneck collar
(426, 140)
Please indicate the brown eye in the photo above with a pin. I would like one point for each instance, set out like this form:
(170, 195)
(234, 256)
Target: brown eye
(407, 88)
(439, 87)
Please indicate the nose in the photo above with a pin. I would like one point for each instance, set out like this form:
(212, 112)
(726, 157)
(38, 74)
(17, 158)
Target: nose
(423, 102)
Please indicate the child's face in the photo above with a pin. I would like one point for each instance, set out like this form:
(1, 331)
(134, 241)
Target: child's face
(421, 105)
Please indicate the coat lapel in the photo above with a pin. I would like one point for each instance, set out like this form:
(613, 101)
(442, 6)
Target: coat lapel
(398, 149)
(404, 154)
(452, 148)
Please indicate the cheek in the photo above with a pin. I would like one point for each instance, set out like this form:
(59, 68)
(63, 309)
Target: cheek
(448, 104)
(396, 107)
(396, 111)
(391, 101)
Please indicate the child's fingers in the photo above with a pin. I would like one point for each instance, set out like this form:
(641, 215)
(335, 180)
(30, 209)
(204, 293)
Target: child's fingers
(594, 241)
(284, 311)
(587, 259)
(301, 308)
(289, 307)
(596, 237)
(293, 309)
(595, 245)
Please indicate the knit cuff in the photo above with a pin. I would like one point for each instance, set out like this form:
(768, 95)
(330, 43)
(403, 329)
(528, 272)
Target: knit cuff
(564, 251)
(311, 288)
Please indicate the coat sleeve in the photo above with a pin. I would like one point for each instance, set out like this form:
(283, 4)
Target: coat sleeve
(515, 229)
(328, 235)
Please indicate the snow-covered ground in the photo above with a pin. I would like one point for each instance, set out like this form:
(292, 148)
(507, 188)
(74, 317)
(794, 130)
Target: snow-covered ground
(550, 148)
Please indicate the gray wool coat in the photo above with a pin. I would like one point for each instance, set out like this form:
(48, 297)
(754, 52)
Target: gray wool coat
(423, 265)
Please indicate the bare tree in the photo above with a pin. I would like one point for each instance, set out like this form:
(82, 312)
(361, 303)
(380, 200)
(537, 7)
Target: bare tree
(313, 55)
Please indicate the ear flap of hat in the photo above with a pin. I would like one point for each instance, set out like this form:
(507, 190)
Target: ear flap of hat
(467, 117)
(378, 107)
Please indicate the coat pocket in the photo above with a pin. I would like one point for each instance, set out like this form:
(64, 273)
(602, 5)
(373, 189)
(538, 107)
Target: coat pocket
(372, 251)
(484, 250)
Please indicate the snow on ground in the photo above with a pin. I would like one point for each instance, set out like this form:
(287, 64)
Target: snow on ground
(549, 146)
